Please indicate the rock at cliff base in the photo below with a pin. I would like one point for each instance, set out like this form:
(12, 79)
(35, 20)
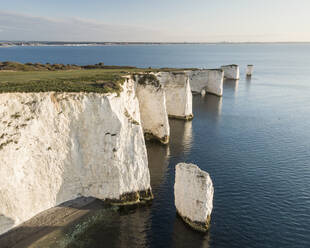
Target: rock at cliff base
(193, 192)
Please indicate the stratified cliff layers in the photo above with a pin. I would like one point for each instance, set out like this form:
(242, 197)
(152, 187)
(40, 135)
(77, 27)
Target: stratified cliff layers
(55, 147)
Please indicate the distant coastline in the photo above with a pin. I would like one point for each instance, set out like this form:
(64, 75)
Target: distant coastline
(64, 43)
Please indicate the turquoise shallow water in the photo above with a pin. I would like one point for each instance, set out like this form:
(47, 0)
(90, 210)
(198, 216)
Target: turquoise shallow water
(254, 142)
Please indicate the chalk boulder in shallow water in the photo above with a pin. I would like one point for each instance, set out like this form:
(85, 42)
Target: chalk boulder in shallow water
(152, 102)
(210, 80)
(179, 97)
(193, 192)
(249, 70)
(55, 147)
(203, 92)
(231, 71)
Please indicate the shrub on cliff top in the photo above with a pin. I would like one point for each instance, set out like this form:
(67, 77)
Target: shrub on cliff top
(148, 79)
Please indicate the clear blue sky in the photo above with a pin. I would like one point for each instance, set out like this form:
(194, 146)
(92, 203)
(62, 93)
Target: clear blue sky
(145, 20)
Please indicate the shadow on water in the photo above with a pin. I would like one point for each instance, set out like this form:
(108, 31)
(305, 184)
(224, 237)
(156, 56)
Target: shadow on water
(231, 85)
(208, 108)
(49, 221)
(71, 226)
(158, 158)
(181, 137)
(248, 79)
(184, 236)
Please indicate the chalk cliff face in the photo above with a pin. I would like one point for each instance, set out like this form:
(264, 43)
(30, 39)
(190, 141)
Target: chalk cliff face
(55, 147)
(193, 192)
(152, 103)
(210, 80)
(178, 94)
(231, 71)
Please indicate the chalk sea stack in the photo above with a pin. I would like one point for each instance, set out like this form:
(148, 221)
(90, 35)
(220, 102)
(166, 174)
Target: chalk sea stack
(210, 80)
(152, 103)
(231, 71)
(249, 70)
(179, 98)
(193, 192)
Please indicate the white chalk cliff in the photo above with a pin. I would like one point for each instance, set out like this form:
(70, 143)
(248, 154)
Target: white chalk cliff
(193, 192)
(209, 80)
(152, 103)
(231, 71)
(55, 147)
(179, 97)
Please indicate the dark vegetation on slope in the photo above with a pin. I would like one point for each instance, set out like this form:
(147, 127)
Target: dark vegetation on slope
(147, 78)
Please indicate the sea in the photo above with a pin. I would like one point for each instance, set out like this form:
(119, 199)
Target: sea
(254, 142)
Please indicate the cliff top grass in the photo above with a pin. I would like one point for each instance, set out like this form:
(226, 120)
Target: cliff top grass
(17, 77)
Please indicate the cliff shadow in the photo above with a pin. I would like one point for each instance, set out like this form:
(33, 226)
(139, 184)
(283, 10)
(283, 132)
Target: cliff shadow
(231, 85)
(207, 107)
(158, 160)
(52, 220)
(112, 227)
(195, 239)
(181, 137)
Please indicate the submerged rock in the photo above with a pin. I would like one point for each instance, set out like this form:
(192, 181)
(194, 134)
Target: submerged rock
(55, 147)
(179, 97)
(210, 80)
(152, 103)
(231, 71)
(193, 192)
(249, 70)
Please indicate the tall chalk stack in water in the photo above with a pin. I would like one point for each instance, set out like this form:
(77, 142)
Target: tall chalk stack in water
(249, 70)
(193, 193)
(231, 71)
(153, 111)
(178, 94)
(207, 80)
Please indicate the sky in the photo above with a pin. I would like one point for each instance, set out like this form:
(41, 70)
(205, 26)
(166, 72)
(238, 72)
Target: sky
(156, 21)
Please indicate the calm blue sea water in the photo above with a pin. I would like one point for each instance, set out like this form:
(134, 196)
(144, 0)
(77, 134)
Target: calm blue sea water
(254, 142)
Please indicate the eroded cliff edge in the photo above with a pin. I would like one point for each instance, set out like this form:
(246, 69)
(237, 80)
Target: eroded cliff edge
(55, 147)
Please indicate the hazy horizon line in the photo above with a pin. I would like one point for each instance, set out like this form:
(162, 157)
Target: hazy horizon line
(150, 42)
